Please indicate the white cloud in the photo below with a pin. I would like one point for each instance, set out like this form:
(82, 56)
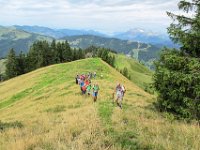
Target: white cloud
(107, 15)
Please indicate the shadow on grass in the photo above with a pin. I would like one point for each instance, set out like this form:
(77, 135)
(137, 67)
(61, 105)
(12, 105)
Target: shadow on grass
(57, 109)
(6, 125)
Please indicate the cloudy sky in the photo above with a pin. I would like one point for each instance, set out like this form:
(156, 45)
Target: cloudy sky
(101, 15)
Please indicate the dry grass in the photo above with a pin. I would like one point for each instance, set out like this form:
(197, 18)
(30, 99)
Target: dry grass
(56, 116)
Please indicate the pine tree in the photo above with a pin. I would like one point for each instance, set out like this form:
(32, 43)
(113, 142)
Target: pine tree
(21, 64)
(67, 52)
(74, 54)
(185, 30)
(55, 59)
(177, 72)
(11, 65)
(80, 54)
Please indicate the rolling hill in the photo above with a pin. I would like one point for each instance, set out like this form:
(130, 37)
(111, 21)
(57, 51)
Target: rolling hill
(145, 53)
(17, 39)
(51, 113)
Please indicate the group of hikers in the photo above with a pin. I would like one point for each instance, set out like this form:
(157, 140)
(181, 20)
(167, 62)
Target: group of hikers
(84, 81)
(86, 87)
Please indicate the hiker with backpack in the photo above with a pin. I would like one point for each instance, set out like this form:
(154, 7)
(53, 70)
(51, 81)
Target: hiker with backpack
(94, 75)
(81, 85)
(77, 78)
(120, 90)
(88, 89)
(83, 89)
(95, 91)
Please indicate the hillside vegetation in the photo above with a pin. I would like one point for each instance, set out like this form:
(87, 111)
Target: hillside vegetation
(45, 110)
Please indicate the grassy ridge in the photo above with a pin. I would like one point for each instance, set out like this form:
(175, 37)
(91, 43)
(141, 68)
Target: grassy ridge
(56, 116)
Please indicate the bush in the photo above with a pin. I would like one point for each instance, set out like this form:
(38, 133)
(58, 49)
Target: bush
(177, 79)
(125, 73)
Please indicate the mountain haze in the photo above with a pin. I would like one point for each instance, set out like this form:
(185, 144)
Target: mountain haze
(57, 33)
(143, 36)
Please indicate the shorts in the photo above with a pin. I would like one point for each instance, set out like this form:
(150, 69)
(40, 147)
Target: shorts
(95, 94)
(119, 95)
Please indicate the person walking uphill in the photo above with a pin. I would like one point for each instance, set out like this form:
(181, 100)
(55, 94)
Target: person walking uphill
(95, 91)
(120, 90)
(88, 89)
(76, 79)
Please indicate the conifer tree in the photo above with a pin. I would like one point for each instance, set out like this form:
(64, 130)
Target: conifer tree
(21, 63)
(177, 72)
(11, 65)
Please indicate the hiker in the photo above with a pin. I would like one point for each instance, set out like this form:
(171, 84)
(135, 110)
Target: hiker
(76, 78)
(88, 89)
(123, 90)
(119, 95)
(89, 76)
(95, 91)
(83, 89)
(81, 84)
(94, 75)
(87, 82)
(79, 80)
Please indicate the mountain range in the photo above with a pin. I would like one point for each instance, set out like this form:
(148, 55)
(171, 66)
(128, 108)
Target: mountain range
(57, 33)
(136, 34)
(145, 36)
(137, 43)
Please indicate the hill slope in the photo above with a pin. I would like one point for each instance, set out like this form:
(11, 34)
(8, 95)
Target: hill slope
(17, 39)
(55, 116)
(140, 75)
(140, 51)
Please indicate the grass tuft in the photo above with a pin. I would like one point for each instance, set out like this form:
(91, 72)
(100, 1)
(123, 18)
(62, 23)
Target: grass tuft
(57, 109)
(7, 125)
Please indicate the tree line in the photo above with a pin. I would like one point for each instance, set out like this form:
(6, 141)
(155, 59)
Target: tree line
(43, 53)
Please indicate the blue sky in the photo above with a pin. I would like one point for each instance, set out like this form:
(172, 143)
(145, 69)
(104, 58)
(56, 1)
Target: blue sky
(100, 15)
